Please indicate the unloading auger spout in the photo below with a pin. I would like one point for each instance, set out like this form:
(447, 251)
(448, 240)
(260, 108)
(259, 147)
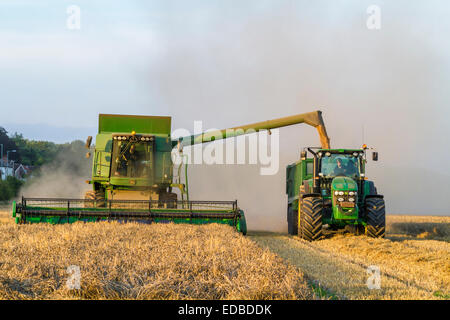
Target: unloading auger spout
(314, 119)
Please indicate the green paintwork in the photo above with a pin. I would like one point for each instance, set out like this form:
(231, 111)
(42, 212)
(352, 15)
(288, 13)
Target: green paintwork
(344, 184)
(239, 223)
(64, 220)
(295, 175)
(14, 209)
(242, 223)
(140, 124)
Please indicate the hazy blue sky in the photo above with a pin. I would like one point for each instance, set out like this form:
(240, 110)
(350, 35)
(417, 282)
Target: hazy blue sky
(234, 62)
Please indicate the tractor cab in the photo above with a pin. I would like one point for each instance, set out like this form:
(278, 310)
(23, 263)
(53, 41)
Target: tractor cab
(334, 163)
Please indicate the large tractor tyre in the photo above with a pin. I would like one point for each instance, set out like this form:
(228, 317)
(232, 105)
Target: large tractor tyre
(292, 221)
(310, 228)
(97, 197)
(168, 200)
(376, 218)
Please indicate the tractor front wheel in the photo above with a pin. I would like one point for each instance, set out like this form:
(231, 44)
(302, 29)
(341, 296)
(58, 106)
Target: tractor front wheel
(376, 218)
(310, 228)
(292, 221)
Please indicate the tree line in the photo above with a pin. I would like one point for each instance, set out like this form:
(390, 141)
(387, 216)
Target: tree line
(37, 154)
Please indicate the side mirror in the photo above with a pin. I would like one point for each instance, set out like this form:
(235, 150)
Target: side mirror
(303, 155)
(375, 156)
(88, 142)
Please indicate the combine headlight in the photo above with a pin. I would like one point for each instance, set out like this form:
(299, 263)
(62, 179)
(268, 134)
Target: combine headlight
(351, 199)
(351, 193)
(355, 154)
(340, 199)
(336, 193)
(341, 193)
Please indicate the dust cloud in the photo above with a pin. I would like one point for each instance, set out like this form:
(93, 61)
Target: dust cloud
(62, 178)
(383, 88)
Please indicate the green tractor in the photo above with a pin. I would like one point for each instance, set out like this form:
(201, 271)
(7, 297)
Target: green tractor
(330, 191)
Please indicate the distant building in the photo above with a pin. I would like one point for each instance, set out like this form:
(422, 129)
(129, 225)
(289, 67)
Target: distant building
(20, 171)
(6, 170)
(11, 168)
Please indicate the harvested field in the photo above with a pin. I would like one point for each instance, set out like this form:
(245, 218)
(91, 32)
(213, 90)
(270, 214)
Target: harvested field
(131, 261)
(419, 227)
(412, 264)
(136, 261)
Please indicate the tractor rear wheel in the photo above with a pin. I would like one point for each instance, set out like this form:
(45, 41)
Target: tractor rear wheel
(292, 221)
(310, 228)
(376, 218)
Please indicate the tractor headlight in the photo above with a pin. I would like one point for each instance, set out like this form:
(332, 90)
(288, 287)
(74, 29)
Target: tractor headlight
(341, 193)
(351, 193)
(351, 199)
(340, 199)
(336, 193)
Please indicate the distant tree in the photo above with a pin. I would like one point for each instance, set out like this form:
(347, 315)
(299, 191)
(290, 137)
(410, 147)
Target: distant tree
(9, 188)
(47, 158)
(35, 153)
(8, 144)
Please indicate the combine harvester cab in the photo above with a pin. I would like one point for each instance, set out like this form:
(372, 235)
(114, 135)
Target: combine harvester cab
(132, 180)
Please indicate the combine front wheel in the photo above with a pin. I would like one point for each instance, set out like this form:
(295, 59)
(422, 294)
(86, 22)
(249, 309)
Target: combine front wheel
(376, 219)
(97, 199)
(310, 227)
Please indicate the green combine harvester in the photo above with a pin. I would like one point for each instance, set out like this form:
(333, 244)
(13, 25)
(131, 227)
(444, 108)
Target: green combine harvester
(133, 176)
(132, 180)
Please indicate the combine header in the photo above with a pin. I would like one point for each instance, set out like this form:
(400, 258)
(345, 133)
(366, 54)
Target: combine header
(59, 211)
(133, 176)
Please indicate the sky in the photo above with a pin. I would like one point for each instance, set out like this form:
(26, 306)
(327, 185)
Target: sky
(229, 62)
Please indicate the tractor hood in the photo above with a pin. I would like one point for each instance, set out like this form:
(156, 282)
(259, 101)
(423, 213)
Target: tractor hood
(344, 184)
